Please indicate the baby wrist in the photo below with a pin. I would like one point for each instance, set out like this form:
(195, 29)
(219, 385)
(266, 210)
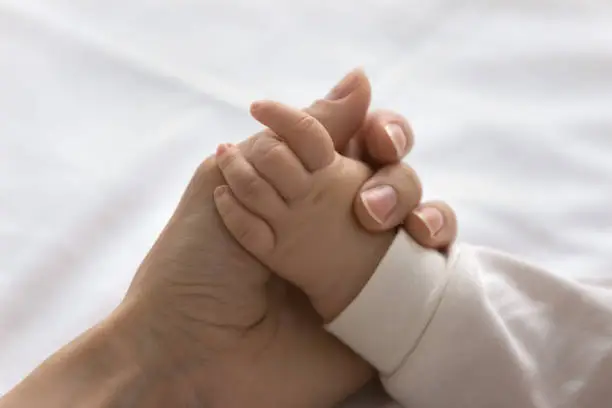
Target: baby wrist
(384, 322)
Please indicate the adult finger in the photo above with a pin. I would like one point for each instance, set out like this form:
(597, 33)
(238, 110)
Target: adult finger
(433, 225)
(342, 112)
(385, 137)
(388, 197)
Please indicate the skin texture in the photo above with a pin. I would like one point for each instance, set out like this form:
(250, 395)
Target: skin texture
(373, 146)
(307, 234)
(204, 324)
(218, 310)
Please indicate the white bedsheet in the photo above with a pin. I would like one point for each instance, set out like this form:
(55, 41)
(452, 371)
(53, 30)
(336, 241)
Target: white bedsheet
(106, 107)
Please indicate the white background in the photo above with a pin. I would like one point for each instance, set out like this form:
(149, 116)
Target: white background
(106, 107)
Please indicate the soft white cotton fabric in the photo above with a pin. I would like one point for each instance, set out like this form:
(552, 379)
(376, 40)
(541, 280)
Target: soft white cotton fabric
(106, 107)
(481, 329)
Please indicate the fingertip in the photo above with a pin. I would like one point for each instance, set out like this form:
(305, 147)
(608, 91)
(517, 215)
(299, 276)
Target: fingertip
(256, 105)
(433, 225)
(258, 108)
(348, 84)
(388, 137)
(397, 135)
(223, 148)
(374, 206)
(387, 197)
(344, 110)
(432, 218)
(220, 191)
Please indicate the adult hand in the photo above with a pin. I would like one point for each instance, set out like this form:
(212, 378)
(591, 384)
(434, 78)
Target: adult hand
(239, 335)
(238, 331)
(392, 196)
(204, 323)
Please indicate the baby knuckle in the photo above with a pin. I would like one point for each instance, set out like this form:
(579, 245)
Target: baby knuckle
(305, 124)
(267, 149)
(226, 161)
(261, 144)
(247, 234)
(250, 187)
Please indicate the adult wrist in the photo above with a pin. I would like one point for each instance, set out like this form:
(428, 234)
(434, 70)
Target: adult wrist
(163, 371)
(107, 366)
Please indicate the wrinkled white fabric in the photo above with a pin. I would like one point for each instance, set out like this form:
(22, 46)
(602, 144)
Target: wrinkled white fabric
(106, 107)
(481, 329)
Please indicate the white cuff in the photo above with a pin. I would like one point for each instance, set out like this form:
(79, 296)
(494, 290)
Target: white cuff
(385, 321)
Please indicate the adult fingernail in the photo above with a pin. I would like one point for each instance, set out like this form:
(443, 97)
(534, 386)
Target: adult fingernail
(345, 87)
(432, 218)
(398, 138)
(379, 201)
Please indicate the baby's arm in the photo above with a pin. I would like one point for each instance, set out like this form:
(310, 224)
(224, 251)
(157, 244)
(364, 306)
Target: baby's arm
(481, 329)
(473, 329)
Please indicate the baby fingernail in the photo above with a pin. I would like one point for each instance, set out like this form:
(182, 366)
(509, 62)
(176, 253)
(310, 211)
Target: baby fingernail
(379, 201)
(344, 87)
(219, 191)
(222, 148)
(398, 138)
(432, 218)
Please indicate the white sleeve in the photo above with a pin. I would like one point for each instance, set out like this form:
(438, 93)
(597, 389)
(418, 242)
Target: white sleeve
(481, 329)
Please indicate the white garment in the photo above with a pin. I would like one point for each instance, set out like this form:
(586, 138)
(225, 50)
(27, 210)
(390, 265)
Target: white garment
(481, 329)
(107, 107)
